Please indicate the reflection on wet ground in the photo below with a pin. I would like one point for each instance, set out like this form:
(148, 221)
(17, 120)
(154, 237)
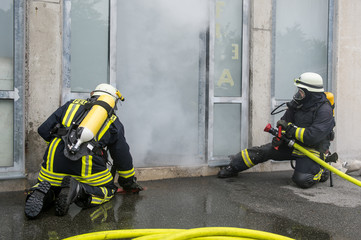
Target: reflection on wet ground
(176, 203)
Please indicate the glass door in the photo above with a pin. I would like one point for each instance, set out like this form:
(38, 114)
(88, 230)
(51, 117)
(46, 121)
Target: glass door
(228, 82)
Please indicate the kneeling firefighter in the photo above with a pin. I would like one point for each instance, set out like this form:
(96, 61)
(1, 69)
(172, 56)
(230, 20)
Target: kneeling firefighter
(74, 169)
(309, 120)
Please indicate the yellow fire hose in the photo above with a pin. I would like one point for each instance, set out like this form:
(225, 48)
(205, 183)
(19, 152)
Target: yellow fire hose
(206, 233)
(325, 165)
(291, 143)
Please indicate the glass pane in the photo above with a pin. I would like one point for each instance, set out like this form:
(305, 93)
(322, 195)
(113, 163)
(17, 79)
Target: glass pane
(6, 43)
(301, 42)
(227, 49)
(227, 129)
(7, 133)
(89, 44)
(158, 49)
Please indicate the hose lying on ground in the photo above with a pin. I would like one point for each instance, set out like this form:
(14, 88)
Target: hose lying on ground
(206, 233)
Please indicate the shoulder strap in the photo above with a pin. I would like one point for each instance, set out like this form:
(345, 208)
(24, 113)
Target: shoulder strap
(72, 109)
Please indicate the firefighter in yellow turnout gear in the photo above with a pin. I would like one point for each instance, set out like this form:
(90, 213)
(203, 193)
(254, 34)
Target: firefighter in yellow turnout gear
(74, 170)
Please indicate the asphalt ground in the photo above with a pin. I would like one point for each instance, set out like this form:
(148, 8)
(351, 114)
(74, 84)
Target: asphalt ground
(261, 201)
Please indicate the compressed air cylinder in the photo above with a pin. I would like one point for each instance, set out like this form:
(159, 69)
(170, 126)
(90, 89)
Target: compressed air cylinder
(331, 98)
(93, 121)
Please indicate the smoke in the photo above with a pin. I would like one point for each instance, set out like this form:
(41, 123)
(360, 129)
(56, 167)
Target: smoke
(158, 50)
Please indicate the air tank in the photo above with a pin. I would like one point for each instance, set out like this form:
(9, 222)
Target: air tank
(93, 121)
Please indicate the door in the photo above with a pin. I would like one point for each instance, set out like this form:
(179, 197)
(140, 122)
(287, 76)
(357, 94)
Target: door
(228, 81)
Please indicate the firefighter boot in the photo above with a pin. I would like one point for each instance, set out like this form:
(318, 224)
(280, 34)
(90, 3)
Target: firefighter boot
(71, 191)
(130, 185)
(227, 172)
(325, 175)
(38, 199)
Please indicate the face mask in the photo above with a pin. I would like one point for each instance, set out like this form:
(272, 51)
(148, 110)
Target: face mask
(299, 96)
(298, 99)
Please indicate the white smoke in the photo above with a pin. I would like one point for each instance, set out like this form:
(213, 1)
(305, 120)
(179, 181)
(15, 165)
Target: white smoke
(158, 48)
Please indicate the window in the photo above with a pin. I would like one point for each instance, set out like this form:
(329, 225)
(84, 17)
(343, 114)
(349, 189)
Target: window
(86, 47)
(11, 89)
(301, 43)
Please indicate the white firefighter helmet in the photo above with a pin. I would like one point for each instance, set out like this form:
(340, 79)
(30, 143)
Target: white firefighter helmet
(105, 88)
(311, 81)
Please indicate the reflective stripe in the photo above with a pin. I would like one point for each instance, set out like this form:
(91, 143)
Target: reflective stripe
(51, 153)
(54, 180)
(318, 176)
(98, 179)
(69, 115)
(126, 174)
(97, 200)
(298, 81)
(106, 126)
(247, 160)
(86, 166)
(104, 190)
(311, 150)
(299, 134)
(107, 196)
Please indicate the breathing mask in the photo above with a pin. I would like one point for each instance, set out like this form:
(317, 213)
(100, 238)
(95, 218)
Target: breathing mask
(298, 99)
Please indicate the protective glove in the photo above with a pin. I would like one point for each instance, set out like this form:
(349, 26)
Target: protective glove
(289, 128)
(130, 185)
(282, 123)
(276, 142)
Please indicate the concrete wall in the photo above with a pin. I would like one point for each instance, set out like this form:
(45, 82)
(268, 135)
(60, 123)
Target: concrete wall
(260, 80)
(347, 74)
(260, 70)
(43, 74)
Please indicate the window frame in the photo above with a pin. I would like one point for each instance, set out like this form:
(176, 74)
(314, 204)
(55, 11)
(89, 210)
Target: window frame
(67, 93)
(328, 84)
(214, 161)
(17, 95)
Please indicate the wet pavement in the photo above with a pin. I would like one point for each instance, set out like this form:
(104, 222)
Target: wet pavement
(261, 201)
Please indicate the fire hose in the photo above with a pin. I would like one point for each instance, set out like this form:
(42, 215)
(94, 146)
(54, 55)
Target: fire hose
(291, 143)
(209, 233)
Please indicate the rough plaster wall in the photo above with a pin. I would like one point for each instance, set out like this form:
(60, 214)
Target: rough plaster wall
(43, 74)
(260, 68)
(347, 78)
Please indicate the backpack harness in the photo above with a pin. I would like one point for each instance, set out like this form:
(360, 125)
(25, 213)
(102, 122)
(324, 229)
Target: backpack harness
(70, 134)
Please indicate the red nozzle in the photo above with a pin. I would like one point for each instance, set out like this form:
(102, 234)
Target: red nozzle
(268, 128)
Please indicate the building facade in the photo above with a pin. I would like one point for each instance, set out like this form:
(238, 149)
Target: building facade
(200, 78)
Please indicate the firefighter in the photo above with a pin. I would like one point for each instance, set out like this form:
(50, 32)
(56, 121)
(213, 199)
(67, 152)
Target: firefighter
(80, 175)
(309, 120)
